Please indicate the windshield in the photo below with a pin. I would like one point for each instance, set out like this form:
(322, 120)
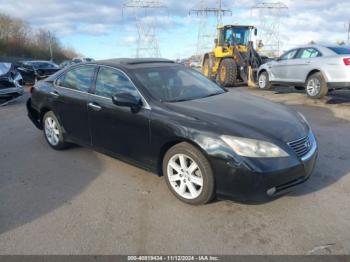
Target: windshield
(340, 50)
(175, 84)
(238, 36)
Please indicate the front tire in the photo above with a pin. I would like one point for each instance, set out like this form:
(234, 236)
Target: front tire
(264, 81)
(53, 131)
(188, 174)
(316, 86)
(227, 73)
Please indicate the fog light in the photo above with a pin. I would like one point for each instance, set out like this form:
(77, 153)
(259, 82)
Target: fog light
(271, 191)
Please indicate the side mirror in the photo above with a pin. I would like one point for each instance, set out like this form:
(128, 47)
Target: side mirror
(127, 100)
(255, 31)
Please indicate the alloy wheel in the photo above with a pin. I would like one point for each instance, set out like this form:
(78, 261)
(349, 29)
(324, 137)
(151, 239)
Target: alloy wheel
(51, 131)
(262, 81)
(313, 86)
(185, 176)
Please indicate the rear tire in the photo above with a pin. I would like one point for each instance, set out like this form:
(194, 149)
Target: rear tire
(264, 81)
(188, 174)
(227, 73)
(53, 131)
(316, 86)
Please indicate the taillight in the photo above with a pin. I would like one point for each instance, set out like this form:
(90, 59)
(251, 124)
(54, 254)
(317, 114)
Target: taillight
(346, 61)
(31, 89)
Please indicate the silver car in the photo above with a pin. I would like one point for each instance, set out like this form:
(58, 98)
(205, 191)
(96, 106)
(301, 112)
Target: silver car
(316, 68)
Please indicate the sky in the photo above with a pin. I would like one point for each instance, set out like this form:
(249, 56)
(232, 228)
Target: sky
(102, 29)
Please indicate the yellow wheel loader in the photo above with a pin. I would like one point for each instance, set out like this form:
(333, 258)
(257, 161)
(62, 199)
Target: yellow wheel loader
(234, 59)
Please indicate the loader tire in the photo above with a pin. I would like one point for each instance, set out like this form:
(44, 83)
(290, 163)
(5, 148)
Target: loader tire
(207, 69)
(227, 73)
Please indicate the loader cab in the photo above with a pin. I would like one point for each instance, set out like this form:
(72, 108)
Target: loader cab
(235, 35)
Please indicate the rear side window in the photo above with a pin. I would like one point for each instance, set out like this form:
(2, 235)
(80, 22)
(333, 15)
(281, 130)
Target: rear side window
(110, 81)
(341, 50)
(80, 78)
(309, 53)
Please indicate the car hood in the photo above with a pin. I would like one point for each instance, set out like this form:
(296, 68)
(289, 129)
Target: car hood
(238, 114)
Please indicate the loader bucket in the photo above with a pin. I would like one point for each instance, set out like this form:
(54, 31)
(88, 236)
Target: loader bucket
(251, 82)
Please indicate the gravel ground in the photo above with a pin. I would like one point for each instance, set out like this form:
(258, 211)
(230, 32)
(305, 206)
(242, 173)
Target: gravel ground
(82, 202)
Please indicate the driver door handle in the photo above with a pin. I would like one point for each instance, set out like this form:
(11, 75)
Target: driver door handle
(55, 93)
(95, 106)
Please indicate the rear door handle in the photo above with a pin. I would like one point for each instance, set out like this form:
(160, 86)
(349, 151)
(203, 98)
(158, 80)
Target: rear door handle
(55, 93)
(95, 106)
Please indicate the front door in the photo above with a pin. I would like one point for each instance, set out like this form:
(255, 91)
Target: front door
(114, 128)
(280, 67)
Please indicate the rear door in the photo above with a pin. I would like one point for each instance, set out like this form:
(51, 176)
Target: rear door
(70, 97)
(117, 129)
(299, 67)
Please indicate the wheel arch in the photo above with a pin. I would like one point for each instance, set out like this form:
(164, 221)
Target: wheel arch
(313, 71)
(169, 144)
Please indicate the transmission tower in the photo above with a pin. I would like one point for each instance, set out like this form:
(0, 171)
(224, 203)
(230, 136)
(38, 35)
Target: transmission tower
(269, 15)
(146, 25)
(206, 30)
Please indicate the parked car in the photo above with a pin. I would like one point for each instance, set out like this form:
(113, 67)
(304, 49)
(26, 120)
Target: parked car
(316, 68)
(10, 81)
(33, 71)
(167, 118)
(66, 63)
(78, 60)
(195, 64)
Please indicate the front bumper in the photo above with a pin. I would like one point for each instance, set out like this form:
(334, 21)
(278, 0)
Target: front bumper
(239, 183)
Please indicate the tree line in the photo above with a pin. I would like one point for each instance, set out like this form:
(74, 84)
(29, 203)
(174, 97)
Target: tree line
(20, 40)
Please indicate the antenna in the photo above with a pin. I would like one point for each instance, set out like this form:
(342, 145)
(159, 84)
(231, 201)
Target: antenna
(348, 31)
(269, 15)
(146, 25)
(205, 33)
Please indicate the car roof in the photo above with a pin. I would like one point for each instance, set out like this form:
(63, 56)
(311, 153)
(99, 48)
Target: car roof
(133, 63)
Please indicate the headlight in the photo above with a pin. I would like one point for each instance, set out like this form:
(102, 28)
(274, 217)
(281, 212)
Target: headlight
(253, 148)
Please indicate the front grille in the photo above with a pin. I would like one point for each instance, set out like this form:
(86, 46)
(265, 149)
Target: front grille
(301, 146)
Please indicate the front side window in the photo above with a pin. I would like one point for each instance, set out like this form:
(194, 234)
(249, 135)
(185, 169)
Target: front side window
(176, 83)
(289, 55)
(80, 78)
(110, 81)
(309, 53)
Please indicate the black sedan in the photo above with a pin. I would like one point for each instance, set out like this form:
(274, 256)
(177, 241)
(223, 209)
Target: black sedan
(171, 120)
(33, 71)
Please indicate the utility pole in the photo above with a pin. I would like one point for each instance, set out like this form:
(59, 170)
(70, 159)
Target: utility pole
(205, 32)
(147, 39)
(50, 45)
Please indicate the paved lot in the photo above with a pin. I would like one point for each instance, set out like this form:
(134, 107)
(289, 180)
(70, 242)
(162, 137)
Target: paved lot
(83, 202)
